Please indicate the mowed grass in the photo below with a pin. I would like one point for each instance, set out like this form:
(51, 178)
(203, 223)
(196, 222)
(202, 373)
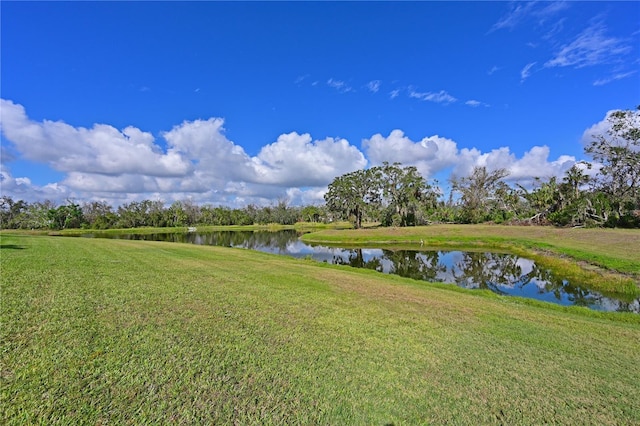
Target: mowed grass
(98, 331)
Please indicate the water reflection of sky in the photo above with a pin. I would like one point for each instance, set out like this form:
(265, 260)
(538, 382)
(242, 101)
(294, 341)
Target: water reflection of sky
(502, 273)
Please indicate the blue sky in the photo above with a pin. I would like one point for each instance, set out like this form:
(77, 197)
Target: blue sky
(251, 102)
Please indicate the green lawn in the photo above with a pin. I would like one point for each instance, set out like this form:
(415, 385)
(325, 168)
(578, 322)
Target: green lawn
(98, 331)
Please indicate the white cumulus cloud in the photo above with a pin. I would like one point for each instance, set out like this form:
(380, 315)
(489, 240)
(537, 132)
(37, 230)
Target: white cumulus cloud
(296, 160)
(434, 154)
(23, 189)
(429, 155)
(533, 163)
(203, 143)
(100, 149)
(197, 160)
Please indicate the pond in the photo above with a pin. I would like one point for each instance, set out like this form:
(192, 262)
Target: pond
(505, 274)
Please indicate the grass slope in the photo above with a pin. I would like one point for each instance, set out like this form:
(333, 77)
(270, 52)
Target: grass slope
(135, 332)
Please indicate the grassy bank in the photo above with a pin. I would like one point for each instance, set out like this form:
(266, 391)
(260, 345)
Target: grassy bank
(614, 252)
(300, 226)
(116, 331)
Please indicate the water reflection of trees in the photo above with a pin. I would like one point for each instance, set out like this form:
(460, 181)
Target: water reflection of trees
(417, 265)
(488, 271)
(259, 240)
(499, 272)
(355, 258)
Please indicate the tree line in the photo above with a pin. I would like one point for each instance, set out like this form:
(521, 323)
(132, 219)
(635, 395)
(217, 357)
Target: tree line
(396, 195)
(147, 213)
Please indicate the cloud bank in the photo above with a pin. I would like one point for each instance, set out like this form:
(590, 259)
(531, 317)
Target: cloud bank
(196, 160)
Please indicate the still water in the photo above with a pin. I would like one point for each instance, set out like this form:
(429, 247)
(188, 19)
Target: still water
(505, 274)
